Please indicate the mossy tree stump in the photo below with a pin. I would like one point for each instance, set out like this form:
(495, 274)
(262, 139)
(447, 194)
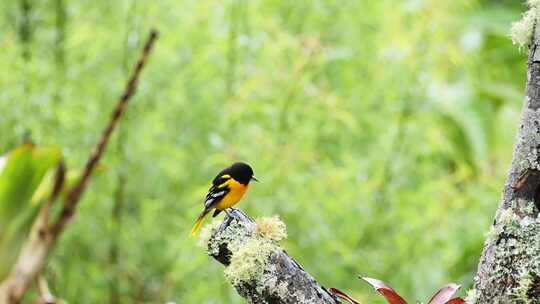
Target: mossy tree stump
(258, 268)
(509, 268)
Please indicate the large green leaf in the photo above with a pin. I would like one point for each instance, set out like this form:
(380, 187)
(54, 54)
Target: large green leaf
(21, 173)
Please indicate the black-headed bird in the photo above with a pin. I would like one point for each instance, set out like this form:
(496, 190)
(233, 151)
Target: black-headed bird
(227, 189)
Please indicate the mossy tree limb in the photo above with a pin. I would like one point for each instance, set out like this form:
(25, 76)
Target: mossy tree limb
(509, 268)
(260, 270)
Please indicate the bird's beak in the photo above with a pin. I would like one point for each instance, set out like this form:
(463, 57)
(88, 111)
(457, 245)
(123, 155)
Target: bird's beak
(254, 178)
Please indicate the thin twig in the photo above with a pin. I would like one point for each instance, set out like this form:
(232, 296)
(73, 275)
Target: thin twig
(57, 187)
(75, 193)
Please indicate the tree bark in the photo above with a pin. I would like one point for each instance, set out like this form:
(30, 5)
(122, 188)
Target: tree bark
(283, 280)
(509, 268)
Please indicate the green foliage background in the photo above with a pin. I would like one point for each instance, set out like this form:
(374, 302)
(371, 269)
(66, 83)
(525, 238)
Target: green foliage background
(380, 130)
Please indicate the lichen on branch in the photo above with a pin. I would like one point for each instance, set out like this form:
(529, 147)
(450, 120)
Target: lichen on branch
(249, 249)
(522, 30)
(249, 261)
(256, 266)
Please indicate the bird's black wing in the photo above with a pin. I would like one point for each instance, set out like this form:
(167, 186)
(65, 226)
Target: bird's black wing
(217, 192)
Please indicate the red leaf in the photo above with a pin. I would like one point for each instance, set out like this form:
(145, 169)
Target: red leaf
(456, 300)
(390, 294)
(340, 294)
(444, 295)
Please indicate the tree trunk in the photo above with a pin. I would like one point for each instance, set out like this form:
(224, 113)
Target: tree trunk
(281, 280)
(509, 268)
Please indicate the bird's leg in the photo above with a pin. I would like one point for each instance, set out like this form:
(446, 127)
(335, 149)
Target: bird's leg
(226, 220)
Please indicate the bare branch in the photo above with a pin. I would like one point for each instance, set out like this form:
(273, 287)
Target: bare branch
(57, 187)
(44, 291)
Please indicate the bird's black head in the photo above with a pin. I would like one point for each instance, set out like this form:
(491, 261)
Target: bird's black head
(241, 172)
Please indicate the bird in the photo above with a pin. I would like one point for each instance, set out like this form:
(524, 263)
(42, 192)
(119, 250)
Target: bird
(228, 188)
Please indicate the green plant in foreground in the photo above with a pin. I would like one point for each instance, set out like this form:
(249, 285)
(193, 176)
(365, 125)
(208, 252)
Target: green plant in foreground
(24, 187)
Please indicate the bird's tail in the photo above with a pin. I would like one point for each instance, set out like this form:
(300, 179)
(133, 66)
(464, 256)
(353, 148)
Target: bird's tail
(199, 222)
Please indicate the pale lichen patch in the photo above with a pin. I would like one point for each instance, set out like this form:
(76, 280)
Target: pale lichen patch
(232, 237)
(271, 228)
(250, 246)
(521, 292)
(509, 218)
(472, 296)
(249, 261)
(530, 209)
(508, 222)
(492, 234)
(522, 30)
(206, 233)
(517, 251)
(533, 3)
(257, 267)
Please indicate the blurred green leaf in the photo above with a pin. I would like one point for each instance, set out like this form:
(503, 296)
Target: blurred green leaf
(469, 127)
(21, 174)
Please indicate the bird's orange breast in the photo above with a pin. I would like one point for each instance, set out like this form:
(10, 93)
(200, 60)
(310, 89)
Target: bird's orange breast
(236, 191)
